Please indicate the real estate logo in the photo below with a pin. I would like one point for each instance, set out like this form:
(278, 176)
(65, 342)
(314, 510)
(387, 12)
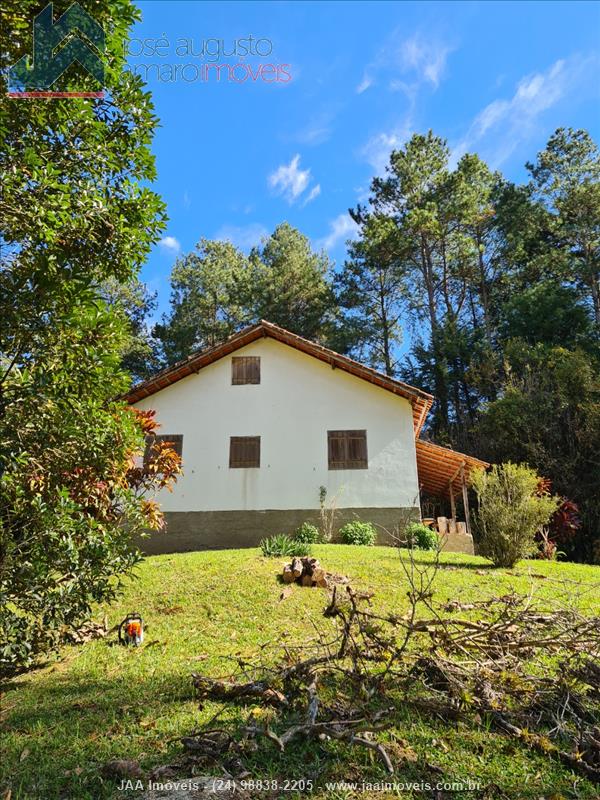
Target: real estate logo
(73, 37)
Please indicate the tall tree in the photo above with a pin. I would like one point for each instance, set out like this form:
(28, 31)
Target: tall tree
(75, 211)
(566, 179)
(435, 225)
(370, 291)
(290, 284)
(209, 289)
(216, 290)
(134, 303)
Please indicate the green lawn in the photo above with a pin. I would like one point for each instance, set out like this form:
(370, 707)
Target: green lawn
(100, 701)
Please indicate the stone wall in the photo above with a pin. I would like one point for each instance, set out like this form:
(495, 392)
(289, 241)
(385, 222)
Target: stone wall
(219, 530)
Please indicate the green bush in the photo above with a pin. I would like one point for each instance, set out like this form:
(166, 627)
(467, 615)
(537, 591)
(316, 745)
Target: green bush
(358, 533)
(282, 545)
(308, 533)
(511, 512)
(419, 535)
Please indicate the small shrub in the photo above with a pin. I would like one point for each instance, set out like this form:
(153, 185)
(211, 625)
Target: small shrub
(328, 513)
(282, 545)
(358, 533)
(419, 535)
(511, 512)
(308, 533)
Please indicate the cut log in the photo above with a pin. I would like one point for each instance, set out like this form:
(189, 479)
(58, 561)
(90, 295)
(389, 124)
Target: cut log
(297, 567)
(308, 572)
(288, 575)
(461, 528)
(442, 525)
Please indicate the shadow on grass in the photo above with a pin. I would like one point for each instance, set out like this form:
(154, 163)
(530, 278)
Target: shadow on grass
(61, 732)
(459, 565)
(69, 722)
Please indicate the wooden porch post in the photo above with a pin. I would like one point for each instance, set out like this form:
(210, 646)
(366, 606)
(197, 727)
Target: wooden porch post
(465, 495)
(452, 503)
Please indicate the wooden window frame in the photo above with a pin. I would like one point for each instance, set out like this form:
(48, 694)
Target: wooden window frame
(240, 461)
(245, 370)
(175, 439)
(342, 441)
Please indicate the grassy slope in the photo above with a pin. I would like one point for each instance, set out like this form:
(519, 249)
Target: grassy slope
(101, 701)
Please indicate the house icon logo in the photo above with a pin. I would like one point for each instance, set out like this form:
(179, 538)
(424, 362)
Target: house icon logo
(73, 37)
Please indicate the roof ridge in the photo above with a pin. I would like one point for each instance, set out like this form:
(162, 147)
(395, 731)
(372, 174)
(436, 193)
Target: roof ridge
(172, 374)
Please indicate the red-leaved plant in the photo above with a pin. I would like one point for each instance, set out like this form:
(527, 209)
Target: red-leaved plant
(563, 525)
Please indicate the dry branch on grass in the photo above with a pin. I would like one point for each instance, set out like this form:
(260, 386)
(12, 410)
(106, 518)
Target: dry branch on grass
(529, 669)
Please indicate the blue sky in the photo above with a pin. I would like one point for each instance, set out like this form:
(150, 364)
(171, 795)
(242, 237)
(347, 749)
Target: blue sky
(356, 79)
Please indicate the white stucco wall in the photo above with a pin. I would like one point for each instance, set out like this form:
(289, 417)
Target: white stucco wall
(298, 400)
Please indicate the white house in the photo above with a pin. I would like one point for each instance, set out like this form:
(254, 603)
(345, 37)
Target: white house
(267, 418)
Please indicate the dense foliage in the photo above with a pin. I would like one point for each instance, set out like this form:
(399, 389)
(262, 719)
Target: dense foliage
(308, 533)
(500, 285)
(216, 290)
(511, 511)
(280, 544)
(421, 536)
(76, 213)
(358, 533)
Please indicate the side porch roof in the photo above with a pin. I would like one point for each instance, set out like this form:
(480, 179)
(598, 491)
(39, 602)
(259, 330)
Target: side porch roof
(438, 467)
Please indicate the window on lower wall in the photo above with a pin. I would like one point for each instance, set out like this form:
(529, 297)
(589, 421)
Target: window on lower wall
(174, 439)
(347, 450)
(244, 452)
(245, 369)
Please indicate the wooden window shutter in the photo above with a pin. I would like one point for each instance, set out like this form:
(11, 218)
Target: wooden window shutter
(244, 452)
(245, 369)
(347, 449)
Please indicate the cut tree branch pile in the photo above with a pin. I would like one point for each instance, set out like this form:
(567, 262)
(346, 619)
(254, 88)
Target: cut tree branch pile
(519, 666)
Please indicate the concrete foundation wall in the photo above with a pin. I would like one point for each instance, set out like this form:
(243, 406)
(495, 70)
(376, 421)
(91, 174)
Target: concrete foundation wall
(218, 530)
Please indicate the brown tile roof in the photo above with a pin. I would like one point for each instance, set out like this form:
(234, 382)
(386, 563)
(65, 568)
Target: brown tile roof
(421, 401)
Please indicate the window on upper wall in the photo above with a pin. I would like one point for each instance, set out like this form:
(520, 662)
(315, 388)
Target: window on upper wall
(244, 452)
(245, 369)
(174, 439)
(347, 450)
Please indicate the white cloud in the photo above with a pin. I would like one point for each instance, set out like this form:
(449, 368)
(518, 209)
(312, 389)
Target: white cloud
(505, 123)
(378, 148)
(314, 192)
(289, 180)
(170, 244)
(318, 129)
(365, 84)
(425, 57)
(243, 236)
(342, 227)
(407, 63)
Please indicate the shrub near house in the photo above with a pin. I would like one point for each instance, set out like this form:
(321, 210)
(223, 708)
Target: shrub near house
(511, 512)
(358, 533)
